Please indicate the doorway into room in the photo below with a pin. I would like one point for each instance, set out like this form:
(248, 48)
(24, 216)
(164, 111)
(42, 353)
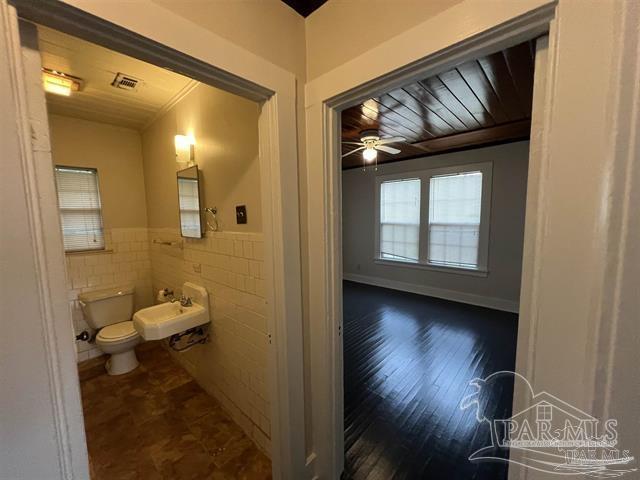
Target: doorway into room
(260, 303)
(434, 193)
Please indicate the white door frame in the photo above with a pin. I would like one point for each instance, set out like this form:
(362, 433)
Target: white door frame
(547, 319)
(203, 56)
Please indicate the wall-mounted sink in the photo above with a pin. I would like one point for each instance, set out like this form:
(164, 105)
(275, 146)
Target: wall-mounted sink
(166, 319)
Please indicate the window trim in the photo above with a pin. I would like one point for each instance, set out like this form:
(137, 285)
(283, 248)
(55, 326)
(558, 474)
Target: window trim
(104, 248)
(425, 175)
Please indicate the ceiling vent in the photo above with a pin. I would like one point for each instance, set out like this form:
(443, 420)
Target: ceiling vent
(126, 82)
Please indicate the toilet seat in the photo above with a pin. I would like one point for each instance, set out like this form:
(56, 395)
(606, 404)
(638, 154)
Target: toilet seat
(117, 332)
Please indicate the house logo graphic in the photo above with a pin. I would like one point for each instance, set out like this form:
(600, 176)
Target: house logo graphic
(550, 435)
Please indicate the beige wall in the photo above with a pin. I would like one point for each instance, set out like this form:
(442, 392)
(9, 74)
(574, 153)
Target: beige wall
(225, 128)
(501, 287)
(116, 153)
(335, 33)
(343, 29)
(229, 263)
(268, 28)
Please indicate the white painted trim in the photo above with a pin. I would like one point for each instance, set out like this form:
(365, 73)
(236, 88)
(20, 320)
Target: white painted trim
(279, 180)
(455, 296)
(208, 58)
(29, 118)
(534, 224)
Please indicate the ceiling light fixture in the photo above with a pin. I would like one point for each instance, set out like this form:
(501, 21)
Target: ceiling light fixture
(369, 154)
(59, 83)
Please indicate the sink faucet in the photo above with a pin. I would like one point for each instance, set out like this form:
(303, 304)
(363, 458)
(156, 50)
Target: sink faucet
(184, 301)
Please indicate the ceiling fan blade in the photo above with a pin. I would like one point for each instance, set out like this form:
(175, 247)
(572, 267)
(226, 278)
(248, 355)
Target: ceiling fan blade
(353, 143)
(390, 150)
(352, 151)
(386, 140)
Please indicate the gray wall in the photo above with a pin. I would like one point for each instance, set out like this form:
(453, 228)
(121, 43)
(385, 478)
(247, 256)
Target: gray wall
(501, 287)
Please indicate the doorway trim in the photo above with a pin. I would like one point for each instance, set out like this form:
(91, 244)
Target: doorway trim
(431, 47)
(224, 65)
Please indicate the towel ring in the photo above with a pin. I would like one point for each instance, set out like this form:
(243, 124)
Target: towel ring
(214, 227)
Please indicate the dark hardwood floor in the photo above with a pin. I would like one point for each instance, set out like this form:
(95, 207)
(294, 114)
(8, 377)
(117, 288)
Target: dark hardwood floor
(408, 360)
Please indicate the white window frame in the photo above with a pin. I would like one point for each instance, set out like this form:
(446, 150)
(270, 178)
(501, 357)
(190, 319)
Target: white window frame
(103, 248)
(482, 269)
(391, 178)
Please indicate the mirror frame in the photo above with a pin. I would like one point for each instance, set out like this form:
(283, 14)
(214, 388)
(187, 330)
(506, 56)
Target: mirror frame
(200, 208)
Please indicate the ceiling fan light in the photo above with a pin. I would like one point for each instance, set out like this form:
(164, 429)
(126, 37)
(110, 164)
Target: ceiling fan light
(369, 154)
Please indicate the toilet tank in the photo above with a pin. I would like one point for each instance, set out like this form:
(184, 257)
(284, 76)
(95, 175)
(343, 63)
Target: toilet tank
(105, 307)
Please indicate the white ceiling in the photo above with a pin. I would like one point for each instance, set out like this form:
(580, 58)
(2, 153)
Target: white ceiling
(97, 66)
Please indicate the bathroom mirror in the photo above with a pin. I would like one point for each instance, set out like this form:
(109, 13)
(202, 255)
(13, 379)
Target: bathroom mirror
(189, 202)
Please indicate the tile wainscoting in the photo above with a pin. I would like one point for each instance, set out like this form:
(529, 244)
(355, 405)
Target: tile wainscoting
(125, 261)
(233, 365)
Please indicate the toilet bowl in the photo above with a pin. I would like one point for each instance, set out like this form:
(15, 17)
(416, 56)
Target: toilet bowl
(109, 311)
(119, 341)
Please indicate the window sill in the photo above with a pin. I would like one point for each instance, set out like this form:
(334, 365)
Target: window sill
(88, 252)
(473, 272)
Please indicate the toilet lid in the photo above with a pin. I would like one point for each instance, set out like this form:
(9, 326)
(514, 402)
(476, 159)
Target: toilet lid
(117, 331)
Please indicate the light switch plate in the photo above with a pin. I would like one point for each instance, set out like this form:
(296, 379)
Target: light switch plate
(241, 214)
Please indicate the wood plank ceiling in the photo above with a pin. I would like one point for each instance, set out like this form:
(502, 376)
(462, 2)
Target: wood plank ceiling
(480, 102)
(305, 7)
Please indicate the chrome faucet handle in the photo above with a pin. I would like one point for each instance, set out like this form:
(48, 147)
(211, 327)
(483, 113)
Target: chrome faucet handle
(186, 301)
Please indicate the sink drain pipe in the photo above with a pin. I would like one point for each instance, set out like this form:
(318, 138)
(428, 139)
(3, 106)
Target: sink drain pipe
(196, 335)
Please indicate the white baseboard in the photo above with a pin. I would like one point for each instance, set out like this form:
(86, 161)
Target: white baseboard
(462, 297)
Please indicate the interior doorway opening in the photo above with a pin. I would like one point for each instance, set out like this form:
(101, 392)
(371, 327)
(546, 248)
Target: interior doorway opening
(150, 167)
(434, 192)
(285, 383)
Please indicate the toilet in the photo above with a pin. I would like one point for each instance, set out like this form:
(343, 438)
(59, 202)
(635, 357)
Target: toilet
(109, 311)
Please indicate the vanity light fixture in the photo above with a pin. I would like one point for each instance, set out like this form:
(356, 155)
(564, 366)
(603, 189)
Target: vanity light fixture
(185, 148)
(59, 83)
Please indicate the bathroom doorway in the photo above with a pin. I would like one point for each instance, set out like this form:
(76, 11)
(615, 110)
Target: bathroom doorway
(242, 267)
(150, 168)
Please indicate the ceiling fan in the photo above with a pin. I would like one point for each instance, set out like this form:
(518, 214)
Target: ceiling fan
(370, 142)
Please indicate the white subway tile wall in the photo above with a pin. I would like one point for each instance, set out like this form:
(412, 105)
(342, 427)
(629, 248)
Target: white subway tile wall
(233, 365)
(124, 262)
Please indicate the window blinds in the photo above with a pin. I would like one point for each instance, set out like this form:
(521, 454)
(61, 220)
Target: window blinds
(400, 219)
(189, 207)
(80, 208)
(454, 219)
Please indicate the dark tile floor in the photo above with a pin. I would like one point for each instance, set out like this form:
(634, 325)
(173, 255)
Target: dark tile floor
(408, 360)
(157, 423)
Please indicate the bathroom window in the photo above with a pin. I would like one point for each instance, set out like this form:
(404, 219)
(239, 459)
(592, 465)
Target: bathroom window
(80, 208)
